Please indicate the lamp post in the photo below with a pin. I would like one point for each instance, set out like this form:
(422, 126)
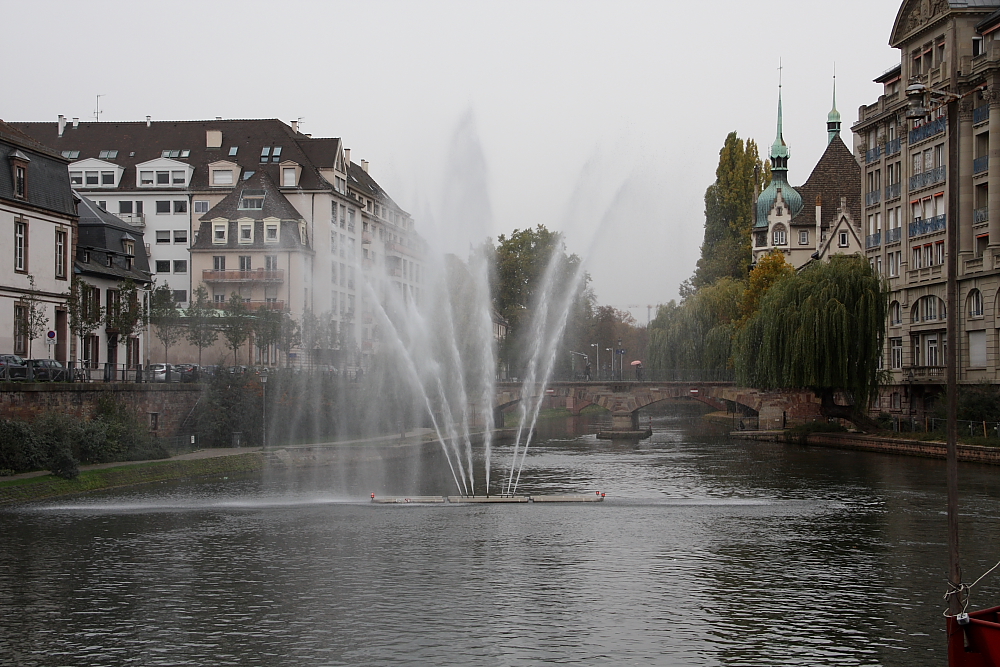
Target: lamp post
(608, 350)
(263, 385)
(597, 347)
(621, 360)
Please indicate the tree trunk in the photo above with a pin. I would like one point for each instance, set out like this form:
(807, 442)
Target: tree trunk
(832, 409)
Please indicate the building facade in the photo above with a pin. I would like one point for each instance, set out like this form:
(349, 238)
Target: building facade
(951, 47)
(38, 225)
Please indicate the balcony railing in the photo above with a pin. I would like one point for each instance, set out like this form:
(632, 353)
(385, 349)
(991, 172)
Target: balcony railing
(873, 197)
(893, 147)
(928, 130)
(892, 191)
(134, 219)
(928, 226)
(254, 276)
(980, 215)
(980, 164)
(873, 240)
(873, 155)
(974, 265)
(981, 114)
(893, 235)
(267, 304)
(403, 250)
(928, 178)
(928, 372)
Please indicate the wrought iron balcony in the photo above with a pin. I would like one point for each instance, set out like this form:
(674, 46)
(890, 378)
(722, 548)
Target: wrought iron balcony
(980, 164)
(873, 155)
(893, 147)
(928, 226)
(928, 178)
(893, 235)
(892, 191)
(980, 215)
(928, 130)
(255, 276)
(873, 197)
(981, 114)
(134, 219)
(873, 240)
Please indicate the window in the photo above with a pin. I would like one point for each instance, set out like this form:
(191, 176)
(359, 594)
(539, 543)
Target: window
(20, 326)
(163, 207)
(246, 232)
(895, 313)
(163, 266)
(895, 352)
(842, 240)
(915, 260)
(76, 177)
(219, 232)
(163, 236)
(125, 207)
(219, 262)
(222, 177)
(145, 178)
(219, 297)
(265, 153)
(103, 205)
(932, 351)
(803, 238)
(92, 177)
(180, 236)
(180, 206)
(939, 252)
(200, 206)
(778, 236)
(107, 178)
(977, 47)
(251, 200)
(288, 177)
(180, 266)
(975, 303)
(276, 154)
(180, 295)
(21, 246)
(271, 262)
(245, 263)
(107, 155)
(20, 181)
(177, 177)
(350, 220)
(233, 150)
(163, 178)
(271, 232)
(61, 255)
(897, 404)
(977, 349)
(71, 155)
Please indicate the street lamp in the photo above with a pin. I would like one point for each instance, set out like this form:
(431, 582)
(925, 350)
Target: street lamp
(598, 348)
(608, 350)
(263, 385)
(621, 360)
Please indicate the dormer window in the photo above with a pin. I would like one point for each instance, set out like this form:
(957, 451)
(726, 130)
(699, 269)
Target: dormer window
(271, 232)
(246, 232)
(288, 177)
(20, 181)
(219, 230)
(222, 177)
(251, 200)
(779, 211)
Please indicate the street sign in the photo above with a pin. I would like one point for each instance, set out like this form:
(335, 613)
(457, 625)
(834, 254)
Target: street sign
(50, 337)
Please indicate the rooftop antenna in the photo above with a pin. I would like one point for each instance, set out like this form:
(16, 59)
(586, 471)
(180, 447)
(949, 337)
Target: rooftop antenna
(97, 112)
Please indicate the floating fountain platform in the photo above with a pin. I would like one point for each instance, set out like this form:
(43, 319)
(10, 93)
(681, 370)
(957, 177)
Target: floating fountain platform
(403, 500)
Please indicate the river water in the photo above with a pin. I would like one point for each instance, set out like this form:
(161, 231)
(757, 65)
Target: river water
(707, 551)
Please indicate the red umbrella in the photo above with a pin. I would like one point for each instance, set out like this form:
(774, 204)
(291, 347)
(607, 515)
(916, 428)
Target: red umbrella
(637, 363)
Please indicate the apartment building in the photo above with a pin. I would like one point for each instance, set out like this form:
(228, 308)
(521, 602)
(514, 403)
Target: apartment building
(952, 47)
(164, 176)
(38, 225)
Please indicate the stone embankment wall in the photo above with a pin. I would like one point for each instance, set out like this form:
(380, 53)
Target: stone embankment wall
(170, 403)
(869, 443)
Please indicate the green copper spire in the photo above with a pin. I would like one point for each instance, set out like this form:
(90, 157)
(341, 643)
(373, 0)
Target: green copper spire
(779, 149)
(779, 179)
(833, 118)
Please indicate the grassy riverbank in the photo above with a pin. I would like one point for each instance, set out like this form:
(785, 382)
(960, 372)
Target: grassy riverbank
(48, 486)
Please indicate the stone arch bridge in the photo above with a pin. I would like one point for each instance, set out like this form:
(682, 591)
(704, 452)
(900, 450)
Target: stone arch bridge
(624, 399)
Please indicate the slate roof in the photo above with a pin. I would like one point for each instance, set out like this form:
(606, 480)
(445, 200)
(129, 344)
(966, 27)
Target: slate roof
(48, 180)
(837, 174)
(100, 232)
(136, 143)
(275, 205)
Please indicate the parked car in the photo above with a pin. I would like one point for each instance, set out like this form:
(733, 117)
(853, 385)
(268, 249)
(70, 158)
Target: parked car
(188, 372)
(48, 370)
(12, 367)
(158, 373)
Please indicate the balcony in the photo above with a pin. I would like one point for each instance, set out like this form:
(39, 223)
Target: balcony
(928, 178)
(873, 197)
(932, 373)
(893, 147)
(267, 304)
(873, 240)
(255, 276)
(981, 114)
(893, 235)
(928, 226)
(366, 238)
(928, 130)
(873, 155)
(398, 249)
(134, 219)
(893, 190)
(980, 215)
(981, 164)
(974, 265)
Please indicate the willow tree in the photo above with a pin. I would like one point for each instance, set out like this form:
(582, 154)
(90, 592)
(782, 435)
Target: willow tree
(820, 329)
(697, 333)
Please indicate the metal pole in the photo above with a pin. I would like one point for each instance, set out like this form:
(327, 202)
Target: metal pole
(951, 355)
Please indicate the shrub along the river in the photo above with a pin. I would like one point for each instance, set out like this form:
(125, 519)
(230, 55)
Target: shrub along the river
(59, 442)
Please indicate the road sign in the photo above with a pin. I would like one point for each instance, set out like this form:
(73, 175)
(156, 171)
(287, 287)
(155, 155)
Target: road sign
(50, 337)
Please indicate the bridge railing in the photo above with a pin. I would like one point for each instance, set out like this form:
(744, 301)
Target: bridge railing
(631, 374)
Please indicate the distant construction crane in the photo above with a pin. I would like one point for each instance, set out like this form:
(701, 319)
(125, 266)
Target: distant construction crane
(649, 310)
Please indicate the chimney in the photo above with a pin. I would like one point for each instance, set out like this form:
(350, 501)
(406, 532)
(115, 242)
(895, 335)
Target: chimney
(149, 121)
(295, 126)
(62, 124)
(76, 123)
(364, 165)
(218, 118)
(213, 138)
(347, 156)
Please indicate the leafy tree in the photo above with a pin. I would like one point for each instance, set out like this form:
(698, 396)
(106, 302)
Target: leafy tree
(289, 336)
(729, 211)
(822, 329)
(769, 270)
(236, 325)
(697, 333)
(35, 321)
(202, 321)
(266, 327)
(164, 314)
(84, 309)
(125, 313)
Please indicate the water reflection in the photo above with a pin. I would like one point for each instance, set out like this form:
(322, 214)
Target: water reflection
(706, 552)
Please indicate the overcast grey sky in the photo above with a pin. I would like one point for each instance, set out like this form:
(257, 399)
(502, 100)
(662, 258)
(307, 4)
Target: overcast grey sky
(601, 119)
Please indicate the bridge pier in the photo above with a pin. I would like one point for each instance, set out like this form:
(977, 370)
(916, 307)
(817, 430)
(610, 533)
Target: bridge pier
(625, 421)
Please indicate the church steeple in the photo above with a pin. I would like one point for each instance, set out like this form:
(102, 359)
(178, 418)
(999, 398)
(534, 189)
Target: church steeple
(779, 149)
(779, 178)
(833, 118)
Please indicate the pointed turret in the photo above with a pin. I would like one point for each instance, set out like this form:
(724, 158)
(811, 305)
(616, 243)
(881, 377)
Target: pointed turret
(779, 179)
(833, 118)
